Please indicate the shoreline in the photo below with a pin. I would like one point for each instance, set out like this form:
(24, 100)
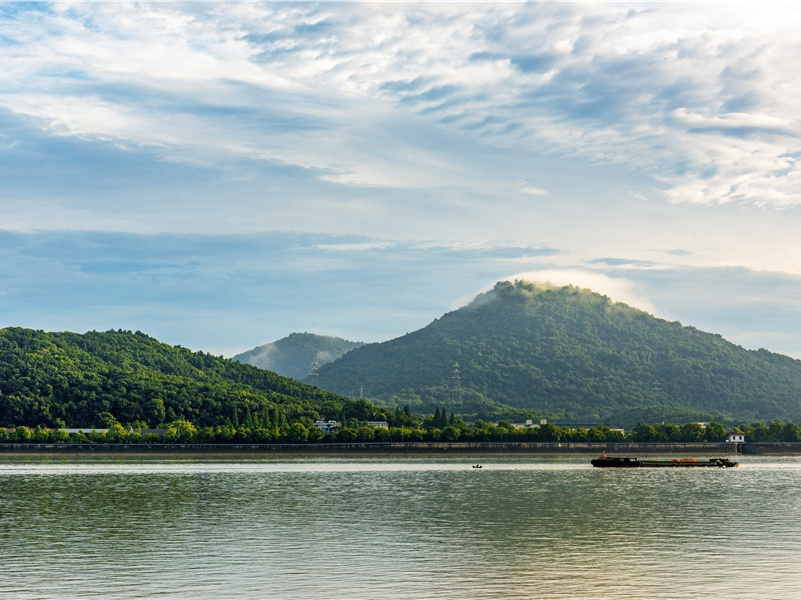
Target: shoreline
(404, 448)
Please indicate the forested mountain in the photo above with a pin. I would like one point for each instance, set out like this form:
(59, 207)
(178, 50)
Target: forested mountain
(67, 379)
(294, 355)
(527, 350)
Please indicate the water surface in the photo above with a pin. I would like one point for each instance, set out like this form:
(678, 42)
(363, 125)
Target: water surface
(405, 528)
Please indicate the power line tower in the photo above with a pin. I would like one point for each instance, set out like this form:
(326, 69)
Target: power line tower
(456, 395)
(313, 375)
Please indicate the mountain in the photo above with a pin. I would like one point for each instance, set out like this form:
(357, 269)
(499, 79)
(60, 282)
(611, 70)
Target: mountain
(84, 380)
(528, 350)
(295, 355)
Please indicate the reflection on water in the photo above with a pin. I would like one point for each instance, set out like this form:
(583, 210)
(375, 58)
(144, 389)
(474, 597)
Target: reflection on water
(396, 528)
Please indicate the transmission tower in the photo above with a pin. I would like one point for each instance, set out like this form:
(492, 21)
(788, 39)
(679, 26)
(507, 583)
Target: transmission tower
(656, 391)
(313, 374)
(457, 385)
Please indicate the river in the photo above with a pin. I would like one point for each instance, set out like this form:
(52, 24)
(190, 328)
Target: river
(396, 528)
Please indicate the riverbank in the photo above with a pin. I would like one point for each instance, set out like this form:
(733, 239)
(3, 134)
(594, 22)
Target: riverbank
(393, 448)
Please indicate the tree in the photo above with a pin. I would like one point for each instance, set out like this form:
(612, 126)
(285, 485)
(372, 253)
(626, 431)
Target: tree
(644, 433)
(297, 433)
(180, 431)
(154, 412)
(346, 434)
(791, 433)
(315, 434)
(775, 431)
(41, 435)
(715, 432)
(599, 434)
(451, 433)
(692, 432)
(60, 436)
(672, 432)
(106, 419)
(436, 420)
(550, 433)
(758, 432)
(23, 433)
(116, 433)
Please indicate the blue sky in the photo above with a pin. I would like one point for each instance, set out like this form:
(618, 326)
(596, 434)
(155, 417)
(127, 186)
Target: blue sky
(219, 175)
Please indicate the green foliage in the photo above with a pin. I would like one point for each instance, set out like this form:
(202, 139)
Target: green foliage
(526, 351)
(118, 377)
(23, 434)
(180, 431)
(297, 433)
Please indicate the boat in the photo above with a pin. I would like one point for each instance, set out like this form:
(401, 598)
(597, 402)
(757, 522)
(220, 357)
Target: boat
(478, 466)
(634, 462)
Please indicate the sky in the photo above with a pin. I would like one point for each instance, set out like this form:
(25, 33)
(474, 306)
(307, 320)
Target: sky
(220, 175)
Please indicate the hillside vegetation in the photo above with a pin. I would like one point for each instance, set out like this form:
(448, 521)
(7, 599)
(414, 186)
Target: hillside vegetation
(527, 350)
(295, 355)
(90, 380)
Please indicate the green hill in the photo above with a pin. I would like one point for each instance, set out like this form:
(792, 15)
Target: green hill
(84, 380)
(526, 350)
(295, 355)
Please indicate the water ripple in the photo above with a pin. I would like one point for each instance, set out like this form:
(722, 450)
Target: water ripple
(397, 528)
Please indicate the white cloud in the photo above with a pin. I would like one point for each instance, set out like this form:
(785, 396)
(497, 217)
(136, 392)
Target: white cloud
(534, 191)
(617, 289)
(678, 91)
(649, 127)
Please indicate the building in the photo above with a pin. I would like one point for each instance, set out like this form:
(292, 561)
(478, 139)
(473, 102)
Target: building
(328, 426)
(84, 430)
(735, 438)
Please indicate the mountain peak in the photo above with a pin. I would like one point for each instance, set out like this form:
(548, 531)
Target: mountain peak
(294, 355)
(538, 349)
(520, 288)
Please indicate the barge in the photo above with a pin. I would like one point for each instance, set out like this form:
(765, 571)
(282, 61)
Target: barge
(634, 462)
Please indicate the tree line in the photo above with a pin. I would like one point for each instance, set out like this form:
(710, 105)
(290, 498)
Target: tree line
(403, 426)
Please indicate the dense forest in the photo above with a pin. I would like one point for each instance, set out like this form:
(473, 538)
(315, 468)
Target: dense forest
(295, 355)
(97, 379)
(518, 352)
(525, 350)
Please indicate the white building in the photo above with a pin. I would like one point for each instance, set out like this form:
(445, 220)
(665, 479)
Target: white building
(328, 426)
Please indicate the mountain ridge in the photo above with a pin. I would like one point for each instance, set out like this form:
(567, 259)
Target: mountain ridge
(82, 380)
(546, 350)
(297, 354)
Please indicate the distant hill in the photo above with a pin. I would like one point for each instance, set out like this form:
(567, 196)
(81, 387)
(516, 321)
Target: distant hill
(524, 349)
(82, 380)
(294, 355)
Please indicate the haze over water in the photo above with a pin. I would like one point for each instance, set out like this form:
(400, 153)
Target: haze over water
(535, 527)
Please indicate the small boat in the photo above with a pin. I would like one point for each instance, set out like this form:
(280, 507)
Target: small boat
(478, 466)
(632, 461)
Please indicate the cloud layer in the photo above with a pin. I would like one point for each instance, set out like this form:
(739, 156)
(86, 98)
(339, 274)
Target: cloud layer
(145, 149)
(701, 99)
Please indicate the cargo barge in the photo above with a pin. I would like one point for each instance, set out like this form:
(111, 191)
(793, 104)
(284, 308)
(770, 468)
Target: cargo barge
(634, 462)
